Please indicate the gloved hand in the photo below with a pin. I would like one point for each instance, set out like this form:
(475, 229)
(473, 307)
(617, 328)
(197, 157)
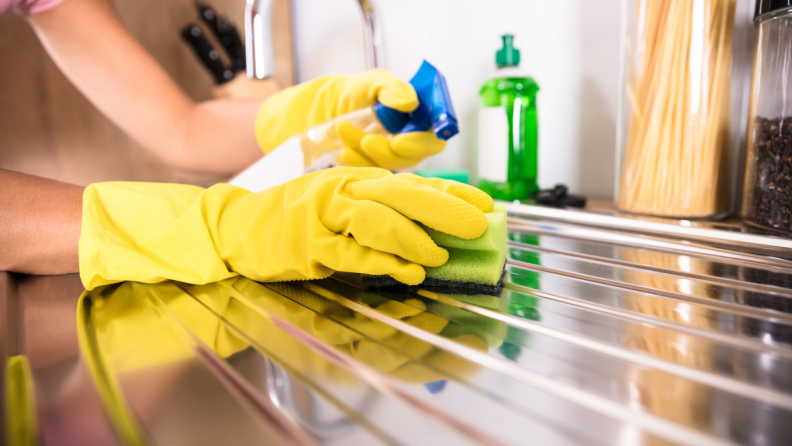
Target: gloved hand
(372, 150)
(301, 107)
(347, 219)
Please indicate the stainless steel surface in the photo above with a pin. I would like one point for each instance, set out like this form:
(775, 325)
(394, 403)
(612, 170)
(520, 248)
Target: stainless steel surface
(686, 229)
(258, 37)
(600, 336)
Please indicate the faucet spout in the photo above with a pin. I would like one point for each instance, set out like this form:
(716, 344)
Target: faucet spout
(258, 39)
(372, 36)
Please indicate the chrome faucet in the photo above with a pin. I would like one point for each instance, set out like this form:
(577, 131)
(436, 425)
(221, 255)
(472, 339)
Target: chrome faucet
(258, 37)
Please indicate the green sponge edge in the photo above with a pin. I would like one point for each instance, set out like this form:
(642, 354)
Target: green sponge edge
(477, 261)
(480, 260)
(436, 285)
(493, 239)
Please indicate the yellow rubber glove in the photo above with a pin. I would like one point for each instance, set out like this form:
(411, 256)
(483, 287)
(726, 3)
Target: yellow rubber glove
(301, 107)
(342, 219)
(401, 151)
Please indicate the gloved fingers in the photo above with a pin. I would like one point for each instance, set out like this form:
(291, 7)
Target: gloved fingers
(401, 152)
(351, 136)
(379, 227)
(365, 150)
(472, 195)
(382, 86)
(349, 256)
(417, 144)
(355, 159)
(378, 149)
(434, 208)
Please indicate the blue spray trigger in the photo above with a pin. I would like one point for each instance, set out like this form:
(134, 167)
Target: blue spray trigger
(435, 110)
(436, 386)
(393, 120)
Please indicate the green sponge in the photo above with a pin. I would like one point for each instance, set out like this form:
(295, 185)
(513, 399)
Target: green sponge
(473, 267)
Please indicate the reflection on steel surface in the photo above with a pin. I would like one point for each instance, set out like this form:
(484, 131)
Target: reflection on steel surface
(646, 226)
(664, 286)
(599, 337)
(658, 243)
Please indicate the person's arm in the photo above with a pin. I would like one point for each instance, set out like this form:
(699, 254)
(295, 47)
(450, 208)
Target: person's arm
(39, 224)
(91, 46)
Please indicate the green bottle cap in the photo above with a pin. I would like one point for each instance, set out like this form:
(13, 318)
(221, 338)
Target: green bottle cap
(508, 56)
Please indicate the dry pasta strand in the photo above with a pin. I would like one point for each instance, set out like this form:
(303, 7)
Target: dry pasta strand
(676, 160)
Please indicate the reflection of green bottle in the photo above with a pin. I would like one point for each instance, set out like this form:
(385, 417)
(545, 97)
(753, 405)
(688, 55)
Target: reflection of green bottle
(508, 133)
(520, 304)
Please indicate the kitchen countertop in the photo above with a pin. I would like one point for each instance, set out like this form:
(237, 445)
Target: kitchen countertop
(602, 335)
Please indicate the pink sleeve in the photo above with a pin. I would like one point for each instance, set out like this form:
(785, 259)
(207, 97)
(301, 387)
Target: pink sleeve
(28, 7)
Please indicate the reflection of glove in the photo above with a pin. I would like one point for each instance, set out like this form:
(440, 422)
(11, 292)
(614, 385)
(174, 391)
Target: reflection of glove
(297, 109)
(370, 341)
(347, 219)
(404, 150)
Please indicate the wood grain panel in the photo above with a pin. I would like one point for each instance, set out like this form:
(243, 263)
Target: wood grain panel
(48, 128)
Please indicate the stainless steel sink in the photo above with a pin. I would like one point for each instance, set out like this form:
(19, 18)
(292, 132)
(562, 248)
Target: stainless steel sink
(609, 330)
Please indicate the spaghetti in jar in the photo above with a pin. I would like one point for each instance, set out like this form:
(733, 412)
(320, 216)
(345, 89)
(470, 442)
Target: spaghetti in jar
(674, 136)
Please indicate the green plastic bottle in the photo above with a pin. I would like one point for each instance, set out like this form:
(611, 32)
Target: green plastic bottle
(508, 136)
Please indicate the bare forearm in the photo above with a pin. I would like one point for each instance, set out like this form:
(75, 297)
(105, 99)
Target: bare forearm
(106, 63)
(218, 137)
(39, 224)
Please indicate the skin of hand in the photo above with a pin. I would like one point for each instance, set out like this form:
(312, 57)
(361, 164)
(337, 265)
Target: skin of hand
(39, 224)
(91, 46)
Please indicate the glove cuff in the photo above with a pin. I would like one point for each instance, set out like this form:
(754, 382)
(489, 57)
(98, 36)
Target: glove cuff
(148, 232)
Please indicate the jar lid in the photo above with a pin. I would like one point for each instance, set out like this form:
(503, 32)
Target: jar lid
(765, 6)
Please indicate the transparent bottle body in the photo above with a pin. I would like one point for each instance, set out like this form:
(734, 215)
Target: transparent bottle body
(322, 145)
(767, 190)
(678, 94)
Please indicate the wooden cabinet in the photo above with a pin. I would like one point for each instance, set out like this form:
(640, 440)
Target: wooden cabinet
(48, 128)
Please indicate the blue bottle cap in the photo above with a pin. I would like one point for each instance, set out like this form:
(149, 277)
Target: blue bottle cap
(392, 120)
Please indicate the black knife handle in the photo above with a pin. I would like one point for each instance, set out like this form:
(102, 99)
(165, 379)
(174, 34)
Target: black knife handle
(226, 33)
(232, 42)
(206, 52)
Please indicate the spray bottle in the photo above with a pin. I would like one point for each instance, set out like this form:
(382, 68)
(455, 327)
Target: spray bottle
(508, 129)
(320, 147)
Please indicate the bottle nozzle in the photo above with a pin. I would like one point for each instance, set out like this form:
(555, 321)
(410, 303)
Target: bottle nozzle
(434, 111)
(508, 56)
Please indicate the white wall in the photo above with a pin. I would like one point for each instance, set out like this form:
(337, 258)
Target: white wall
(571, 48)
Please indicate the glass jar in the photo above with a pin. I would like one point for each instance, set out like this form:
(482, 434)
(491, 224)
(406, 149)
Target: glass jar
(767, 191)
(674, 149)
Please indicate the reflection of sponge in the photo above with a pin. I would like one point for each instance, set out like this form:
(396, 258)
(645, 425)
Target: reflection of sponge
(473, 267)
(463, 322)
